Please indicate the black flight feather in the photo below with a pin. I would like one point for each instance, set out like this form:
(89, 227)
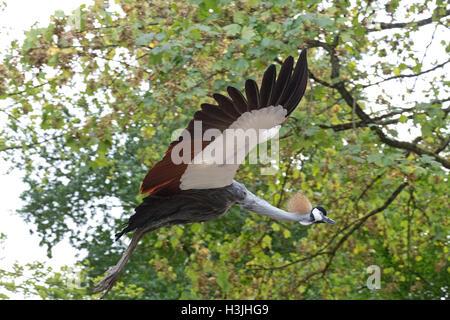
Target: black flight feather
(217, 113)
(227, 105)
(282, 80)
(238, 99)
(267, 85)
(252, 93)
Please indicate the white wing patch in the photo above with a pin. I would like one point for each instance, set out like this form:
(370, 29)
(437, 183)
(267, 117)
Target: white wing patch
(216, 165)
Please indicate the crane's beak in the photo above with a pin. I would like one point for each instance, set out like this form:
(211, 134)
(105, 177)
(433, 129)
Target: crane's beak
(325, 219)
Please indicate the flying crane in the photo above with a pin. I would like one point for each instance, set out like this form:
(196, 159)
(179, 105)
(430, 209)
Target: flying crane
(194, 182)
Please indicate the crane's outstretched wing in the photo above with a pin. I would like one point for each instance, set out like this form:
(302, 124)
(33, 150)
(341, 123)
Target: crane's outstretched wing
(188, 163)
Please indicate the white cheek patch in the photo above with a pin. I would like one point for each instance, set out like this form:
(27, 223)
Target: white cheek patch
(317, 215)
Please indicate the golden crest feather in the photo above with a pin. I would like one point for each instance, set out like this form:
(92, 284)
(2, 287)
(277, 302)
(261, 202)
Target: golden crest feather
(299, 203)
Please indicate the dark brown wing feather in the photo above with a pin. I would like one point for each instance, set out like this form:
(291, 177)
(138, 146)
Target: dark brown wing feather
(164, 177)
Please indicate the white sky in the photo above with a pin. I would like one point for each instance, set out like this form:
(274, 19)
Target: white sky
(22, 247)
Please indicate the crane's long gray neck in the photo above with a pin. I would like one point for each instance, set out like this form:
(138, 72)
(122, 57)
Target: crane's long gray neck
(262, 207)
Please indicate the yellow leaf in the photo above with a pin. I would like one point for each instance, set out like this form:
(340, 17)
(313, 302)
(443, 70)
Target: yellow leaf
(275, 227)
(52, 50)
(286, 233)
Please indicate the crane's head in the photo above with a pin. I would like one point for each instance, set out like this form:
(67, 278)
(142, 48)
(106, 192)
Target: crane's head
(300, 204)
(319, 215)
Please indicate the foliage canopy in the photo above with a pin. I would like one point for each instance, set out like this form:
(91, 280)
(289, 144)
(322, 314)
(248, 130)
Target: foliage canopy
(91, 101)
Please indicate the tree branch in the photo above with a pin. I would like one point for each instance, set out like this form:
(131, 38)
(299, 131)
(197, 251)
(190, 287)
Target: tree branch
(31, 144)
(360, 222)
(407, 75)
(28, 88)
(419, 23)
(377, 120)
(379, 132)
(322, 82)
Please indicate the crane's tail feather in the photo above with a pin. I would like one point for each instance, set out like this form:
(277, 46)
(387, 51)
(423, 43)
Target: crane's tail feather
(121, 233)
(144, 213)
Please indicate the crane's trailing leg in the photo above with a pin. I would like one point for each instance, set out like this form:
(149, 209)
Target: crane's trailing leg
(113, 274)
(156, 212)
(108, 282)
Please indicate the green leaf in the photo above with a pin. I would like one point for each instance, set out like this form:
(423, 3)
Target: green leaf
(223, 282)
(248, 33)
(240, 65)
(402, 118)
(145, 39)
(266, 241)
(275, 227)
(232, 29)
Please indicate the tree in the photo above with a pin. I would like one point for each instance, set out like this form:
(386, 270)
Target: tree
(92, 99)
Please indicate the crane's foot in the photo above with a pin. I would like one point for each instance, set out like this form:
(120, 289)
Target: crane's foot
(107, 283)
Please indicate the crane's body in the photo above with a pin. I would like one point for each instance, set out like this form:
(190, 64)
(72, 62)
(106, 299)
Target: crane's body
(194, 205)
(190, 185)
(200, 205)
